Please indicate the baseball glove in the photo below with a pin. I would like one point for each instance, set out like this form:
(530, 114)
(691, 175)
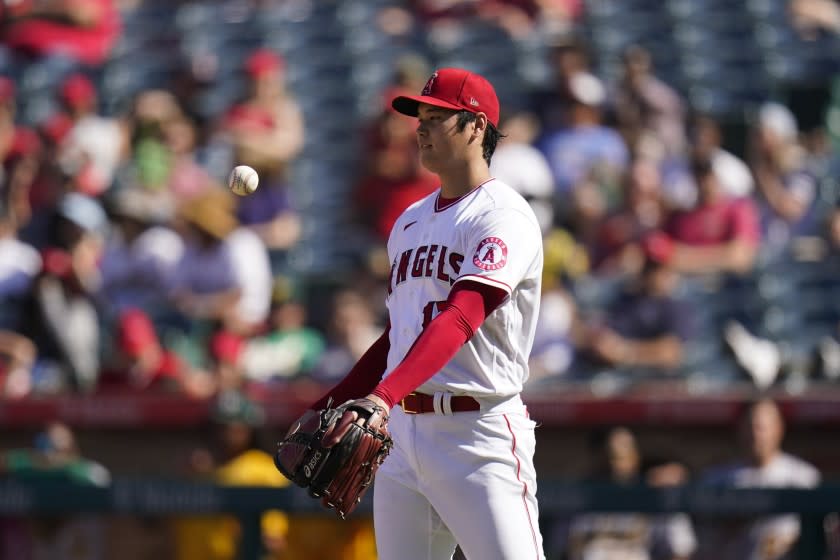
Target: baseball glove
(339, 475)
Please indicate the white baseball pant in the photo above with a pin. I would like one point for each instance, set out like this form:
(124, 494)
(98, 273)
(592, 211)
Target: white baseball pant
(467, 478)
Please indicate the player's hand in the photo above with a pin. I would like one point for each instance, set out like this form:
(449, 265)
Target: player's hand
(337, 431)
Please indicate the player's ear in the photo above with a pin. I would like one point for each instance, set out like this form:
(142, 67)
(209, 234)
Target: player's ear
(479, 125)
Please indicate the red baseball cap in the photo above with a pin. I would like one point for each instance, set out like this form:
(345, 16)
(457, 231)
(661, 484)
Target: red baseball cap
(263, 61)
(78, 91)
(453, 88)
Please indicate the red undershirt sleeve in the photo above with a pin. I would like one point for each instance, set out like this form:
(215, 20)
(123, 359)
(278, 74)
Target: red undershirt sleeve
(468, 304)
(364, 376)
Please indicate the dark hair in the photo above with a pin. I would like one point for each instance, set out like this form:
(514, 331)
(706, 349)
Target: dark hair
(701, 167)
(491, 135)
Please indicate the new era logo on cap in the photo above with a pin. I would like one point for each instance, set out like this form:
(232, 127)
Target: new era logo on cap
(453, 88)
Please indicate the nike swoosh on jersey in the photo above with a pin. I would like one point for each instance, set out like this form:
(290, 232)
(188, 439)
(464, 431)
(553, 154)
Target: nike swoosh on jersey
(409, 224)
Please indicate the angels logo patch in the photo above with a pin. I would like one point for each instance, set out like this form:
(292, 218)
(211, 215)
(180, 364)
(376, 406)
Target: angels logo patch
(491, 254)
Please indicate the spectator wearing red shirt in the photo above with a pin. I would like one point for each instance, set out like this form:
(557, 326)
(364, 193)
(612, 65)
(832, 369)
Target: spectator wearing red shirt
(393, 178)
(84, 30)
(92, 148)
(643, 211)
(720, 234)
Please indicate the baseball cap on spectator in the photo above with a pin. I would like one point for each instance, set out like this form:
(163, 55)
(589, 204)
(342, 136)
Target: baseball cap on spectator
(24, 142)
(56, 127)
(78, 91)
(83, 211)
(453, 88)
(778, 119)
(587, 89)
(211, 212)
(262, 62)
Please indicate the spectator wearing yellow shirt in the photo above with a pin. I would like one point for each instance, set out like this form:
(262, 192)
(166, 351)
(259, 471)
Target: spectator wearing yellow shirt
(240, 463)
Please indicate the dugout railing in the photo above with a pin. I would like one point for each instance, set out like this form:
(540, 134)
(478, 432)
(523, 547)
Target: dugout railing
(28, 498)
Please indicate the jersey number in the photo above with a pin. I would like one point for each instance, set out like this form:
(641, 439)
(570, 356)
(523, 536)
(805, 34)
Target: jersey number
(431, 311)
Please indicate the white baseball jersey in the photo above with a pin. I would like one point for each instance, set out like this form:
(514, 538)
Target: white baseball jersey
(489, 235)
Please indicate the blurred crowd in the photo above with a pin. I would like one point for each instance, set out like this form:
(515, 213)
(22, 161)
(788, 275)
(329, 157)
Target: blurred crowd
(125, 263)
(232, 454)
(127, 266)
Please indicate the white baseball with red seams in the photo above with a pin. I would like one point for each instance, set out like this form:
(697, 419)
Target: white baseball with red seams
(243, 180)
(489, 235)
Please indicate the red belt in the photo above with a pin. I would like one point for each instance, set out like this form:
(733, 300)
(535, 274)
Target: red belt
(418, 403)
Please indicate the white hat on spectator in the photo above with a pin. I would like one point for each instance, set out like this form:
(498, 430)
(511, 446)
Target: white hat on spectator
(83, 211)
(778, 119)
(586, 88)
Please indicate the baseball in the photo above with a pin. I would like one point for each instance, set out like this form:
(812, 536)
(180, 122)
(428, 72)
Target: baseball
(243, 180)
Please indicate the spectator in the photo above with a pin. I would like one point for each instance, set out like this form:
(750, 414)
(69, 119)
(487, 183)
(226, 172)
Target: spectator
(234, 459)
(267, 132)
(787, 190)
(84, 30)
(150, 162)
(553, 349)
(187, 178)
(642, 212)
(59, 313)
(812, 16)
(351, 331)
(586, 159)
(568, 55)
(224, 275)
(393, 178)
(647, 325)
(519, 164)
(8, 113)
(141, 255)
(707, 143)
(646, 105)
(92, 148)
(410, 73)
(19, 261)
(719, 235)
(140, 363)
(622, 536)
(55, 457)
(764, 465)
(17, 356)
(288, 347)
(20, 154)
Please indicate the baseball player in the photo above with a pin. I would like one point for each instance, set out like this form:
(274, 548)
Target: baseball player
(463, 299)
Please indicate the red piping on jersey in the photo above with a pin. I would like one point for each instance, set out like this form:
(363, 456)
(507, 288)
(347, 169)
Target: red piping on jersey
(483, 279)
(453, 201)
(524, 487)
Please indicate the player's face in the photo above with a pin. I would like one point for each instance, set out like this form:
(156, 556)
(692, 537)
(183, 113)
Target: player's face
(438, 137)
